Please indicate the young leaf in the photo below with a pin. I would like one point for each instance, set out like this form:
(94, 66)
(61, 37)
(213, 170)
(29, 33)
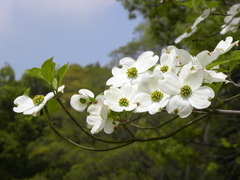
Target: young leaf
(53, 106)
(61, 72)
(35, 72)
(48, 70)
(210, 4)
(55, 84)
(235, 57)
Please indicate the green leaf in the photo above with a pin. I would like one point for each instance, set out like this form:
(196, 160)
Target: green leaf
(188, 4)
(225, 143)
(235, 57)
(48, 70)
(35, 72)
(212, 166)
(26, 93)
(55, 84)
(53, 106)
(196, 3)
(216, 87)
(211, 4)
(61, 72)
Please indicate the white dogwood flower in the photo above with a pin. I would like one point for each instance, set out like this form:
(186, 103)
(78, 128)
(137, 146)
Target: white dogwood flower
(204, 58)
(172, 59)
(150, 99)
(26, 105)
(80, 101)
(186, 91)
(193, 28)
(120, 99)
(98, 118)
(131, 70)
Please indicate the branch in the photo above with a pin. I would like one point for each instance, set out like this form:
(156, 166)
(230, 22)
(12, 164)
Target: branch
(85, 131)
(86, 147)
(173, 132)
(154, 127)
(225, 112)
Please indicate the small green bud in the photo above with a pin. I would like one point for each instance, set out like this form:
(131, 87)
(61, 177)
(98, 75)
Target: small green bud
(188, 30)
(164, 69)
(132, 72)
(156, 96)
(123, 102)
(82, 100)
(38, 99)
(185, 90)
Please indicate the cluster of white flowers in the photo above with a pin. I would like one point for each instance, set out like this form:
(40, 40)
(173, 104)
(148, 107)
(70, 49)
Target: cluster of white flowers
(177, 84)
(231, 21)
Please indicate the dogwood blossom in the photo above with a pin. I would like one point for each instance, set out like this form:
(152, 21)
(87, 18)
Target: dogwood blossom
(80, 101)
(186, 91)
(150, 99)
(131, 70)
(120, 99)
(205, 57)
(172, 59)
(193, 28)
(26, 105)
(98, 118)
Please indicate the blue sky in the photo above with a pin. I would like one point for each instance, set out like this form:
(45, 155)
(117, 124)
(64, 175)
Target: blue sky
(74, 31)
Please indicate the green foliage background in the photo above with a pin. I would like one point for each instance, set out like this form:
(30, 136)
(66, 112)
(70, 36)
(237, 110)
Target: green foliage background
(210, 149)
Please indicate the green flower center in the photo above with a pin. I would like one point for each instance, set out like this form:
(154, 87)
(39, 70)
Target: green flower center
(188, 30)
(132, 72)
(38, 99)
(156, 96)
(82, 100)
(185, 90)
(123, 102)
(164, 69)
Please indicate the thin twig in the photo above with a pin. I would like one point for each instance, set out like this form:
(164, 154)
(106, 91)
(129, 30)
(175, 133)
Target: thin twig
(154, 127)
(86, 132)
(86, 147)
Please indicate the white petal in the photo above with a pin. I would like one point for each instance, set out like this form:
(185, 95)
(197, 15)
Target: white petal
(76, 104)
(95, 108)
(179, 105)
(113, 94)
(33, 111)
(205, 58)
(48, 96)
(109, 126)
(213, 76)
(130, 107)
(23, 103)
(203, 16)
(143, 102)
(145, 61)
(183, 57)
(94, 120)
(86, 92)
(181, 37)
(127, 61)
(117, 81)
(128, 91)
(171, 84)
(201, 98)
(226, 45)
(119, 72)
(192, 76)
